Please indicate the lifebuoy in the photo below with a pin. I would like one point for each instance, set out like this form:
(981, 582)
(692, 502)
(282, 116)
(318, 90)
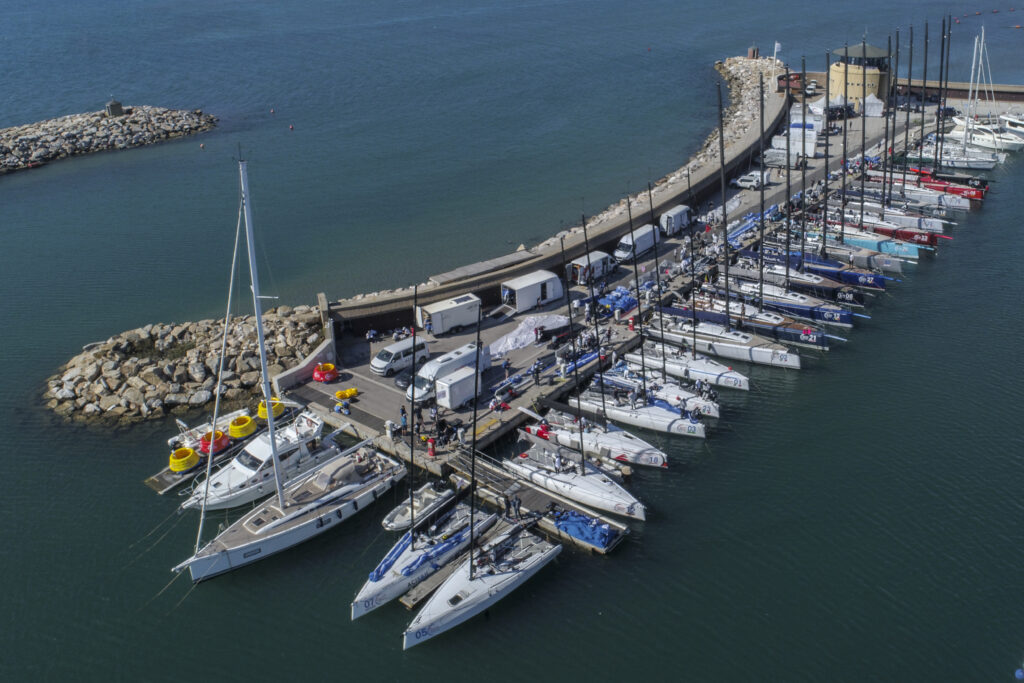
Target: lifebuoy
(220, 442)
(325, 372)
(241, 427)
(183, 459)
(275, 405)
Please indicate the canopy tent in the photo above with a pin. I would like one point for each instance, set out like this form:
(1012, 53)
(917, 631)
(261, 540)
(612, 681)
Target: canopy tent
(873, 106)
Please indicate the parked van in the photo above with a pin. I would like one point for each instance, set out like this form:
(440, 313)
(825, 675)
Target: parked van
(422, 386)
(399, 356)
(675, 219)
(596, 265)
(644, 238)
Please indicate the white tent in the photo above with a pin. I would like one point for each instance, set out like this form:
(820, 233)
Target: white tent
(818, 106)
(873, 106)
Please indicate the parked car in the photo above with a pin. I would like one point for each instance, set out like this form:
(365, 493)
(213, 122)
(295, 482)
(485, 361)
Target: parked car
(403, 379)
(947, 112)
(750, 180)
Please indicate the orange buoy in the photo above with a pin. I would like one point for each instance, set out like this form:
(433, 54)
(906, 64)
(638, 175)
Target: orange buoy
(325, 372)
(220, 442)
(183, 459)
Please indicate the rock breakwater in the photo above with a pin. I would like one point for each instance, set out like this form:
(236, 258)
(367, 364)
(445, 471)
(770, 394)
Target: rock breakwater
(165, 368)
(38, 143)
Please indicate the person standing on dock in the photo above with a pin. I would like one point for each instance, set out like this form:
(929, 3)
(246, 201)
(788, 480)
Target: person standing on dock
(507, 367)
(516, 502)
(433, 415)
(404, 418)
(508, 505)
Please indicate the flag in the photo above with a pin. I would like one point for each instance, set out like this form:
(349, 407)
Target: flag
(778, 46)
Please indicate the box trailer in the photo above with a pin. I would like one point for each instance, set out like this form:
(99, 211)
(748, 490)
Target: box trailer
(455, 390)
(423, 384)
(450, 315)
(530, 291)
(595, 265)
(675, 219)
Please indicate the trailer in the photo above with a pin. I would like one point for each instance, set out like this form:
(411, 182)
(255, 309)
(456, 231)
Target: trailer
(595, 265)
(449, 315)
(530, 291)
(675, 219)
(457, 389)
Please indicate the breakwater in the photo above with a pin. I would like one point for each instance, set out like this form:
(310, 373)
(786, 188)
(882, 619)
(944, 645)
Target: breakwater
(150, 371)
(164, 368)
(39, 143)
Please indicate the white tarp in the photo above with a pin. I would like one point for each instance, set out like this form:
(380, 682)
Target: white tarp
(523, 335)
(818, 106)
(873, 106)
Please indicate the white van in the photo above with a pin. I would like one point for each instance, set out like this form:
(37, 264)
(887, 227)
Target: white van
(399, 356)
(423, 383)
(644, 237)
(675, 219)
(595, 266)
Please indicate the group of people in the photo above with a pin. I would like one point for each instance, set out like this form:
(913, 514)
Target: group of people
(512, 507)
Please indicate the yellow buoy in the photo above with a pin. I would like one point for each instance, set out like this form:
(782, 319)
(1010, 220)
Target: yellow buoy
(241, 426)
(183, 459)
(275, 405)
(342, 394)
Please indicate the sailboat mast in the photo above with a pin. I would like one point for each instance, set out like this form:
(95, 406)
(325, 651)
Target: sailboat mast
(843, 165)
(760, 252)
(906, 128)
(575, 365)
(412, 428)
(725, 213)
(924, 89)
(828, 124)
(472, 454)
(247, 207)
(885, 135)
(863, 124)
(788, 189)
(803, 167)
(593, 303)
(639, 306)
(892, 169)
(657, 281)
(942, 98)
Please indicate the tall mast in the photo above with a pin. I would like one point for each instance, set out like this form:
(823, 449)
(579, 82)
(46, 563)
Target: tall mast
(725, 214)
(760, 252)
(895, 79)
(639, 306)
(843, 165)
(576, 365)
(885, 135)
(906, 129)
(924, 89)
(863, 122)
(942, 98)
(788, 188)
(247, 207)
(828, 124)
(593, 301)
(657, 280)
(412, 428)
(472, 454)
(803, 167)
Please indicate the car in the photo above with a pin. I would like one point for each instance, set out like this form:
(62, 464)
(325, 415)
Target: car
(947, 112)
(751, 180)
(404, 378)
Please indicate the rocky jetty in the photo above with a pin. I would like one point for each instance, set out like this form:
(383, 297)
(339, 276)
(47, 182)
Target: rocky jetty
(163, 368)
(38, 143)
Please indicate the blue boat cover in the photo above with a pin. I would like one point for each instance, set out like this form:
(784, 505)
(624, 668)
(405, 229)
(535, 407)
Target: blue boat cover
(435, 551)
(389, 559)
(584, 527)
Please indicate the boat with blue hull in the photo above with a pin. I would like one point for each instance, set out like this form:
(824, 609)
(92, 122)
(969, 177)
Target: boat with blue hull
(789, 303)
(747, 317)
(870, 240)
(821, 265)
(798, 281)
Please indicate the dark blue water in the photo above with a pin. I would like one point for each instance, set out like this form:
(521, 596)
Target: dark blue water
(855, 521)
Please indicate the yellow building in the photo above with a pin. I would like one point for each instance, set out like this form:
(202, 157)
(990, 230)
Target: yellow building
(860, 65)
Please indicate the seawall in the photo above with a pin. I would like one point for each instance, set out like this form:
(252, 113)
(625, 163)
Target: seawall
(39, 143)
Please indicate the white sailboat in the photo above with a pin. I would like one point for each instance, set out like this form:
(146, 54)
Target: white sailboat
(726, 343)
(499, 568)
(312, 504)
(408, 562)
(596, 440)
(249, 476)
(688, 366)
(426, 500)
(655, 418)
(557, 469)
(662, 388)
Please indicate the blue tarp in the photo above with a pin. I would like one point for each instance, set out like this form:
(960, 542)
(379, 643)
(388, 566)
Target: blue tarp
(389, 559)
(584, 527)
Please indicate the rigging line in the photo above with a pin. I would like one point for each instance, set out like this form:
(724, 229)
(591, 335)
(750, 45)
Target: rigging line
(220, 375)
(188, 593)
(153, 545)
(160, 592)
(154, 529)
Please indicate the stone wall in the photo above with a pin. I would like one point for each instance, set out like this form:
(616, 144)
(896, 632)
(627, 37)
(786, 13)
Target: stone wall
(38, 143)
(163, 368)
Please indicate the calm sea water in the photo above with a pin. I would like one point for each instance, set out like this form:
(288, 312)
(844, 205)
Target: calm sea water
(856, 521)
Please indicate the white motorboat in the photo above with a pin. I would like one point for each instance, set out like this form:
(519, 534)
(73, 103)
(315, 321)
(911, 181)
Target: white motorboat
(557, 469)
(417, 555)
(320, 500)
(985, 137)
(662, 388)
(596, 440)
(426, 500)
(726, 343)
(1012, 123)
(501, 566)
(653, 417)
(250, 475)
(688, 366)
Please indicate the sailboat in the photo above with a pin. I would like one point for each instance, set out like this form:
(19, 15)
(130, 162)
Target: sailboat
(595, 439)
(408, 563)
(319, 500)
(687, 365)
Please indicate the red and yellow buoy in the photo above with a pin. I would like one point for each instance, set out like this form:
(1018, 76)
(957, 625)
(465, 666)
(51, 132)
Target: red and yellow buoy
(219, 439)
(325, 372)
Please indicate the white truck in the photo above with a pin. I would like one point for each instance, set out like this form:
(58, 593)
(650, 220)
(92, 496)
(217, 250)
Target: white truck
(456, 389)
(451, 315)
(675, 219)
(640, 241)
(423, 384)
(595, 266)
